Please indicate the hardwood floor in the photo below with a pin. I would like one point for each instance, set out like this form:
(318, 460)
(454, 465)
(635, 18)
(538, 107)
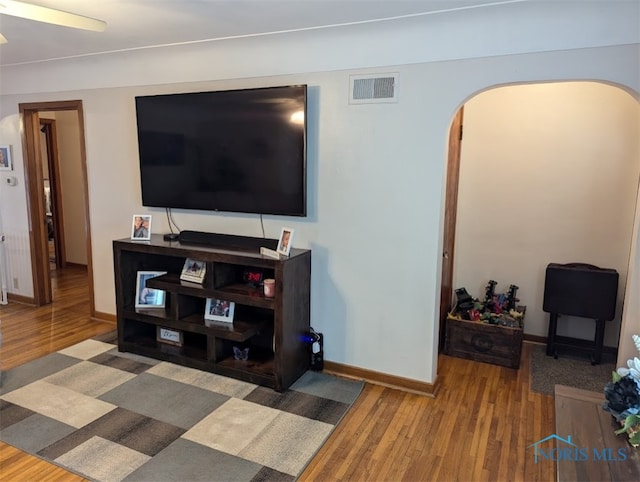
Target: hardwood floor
(478, 427)
(31, 332)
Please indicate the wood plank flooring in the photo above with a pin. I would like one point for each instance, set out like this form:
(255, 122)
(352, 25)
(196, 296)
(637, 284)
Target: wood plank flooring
(31, 332)
(478, 427)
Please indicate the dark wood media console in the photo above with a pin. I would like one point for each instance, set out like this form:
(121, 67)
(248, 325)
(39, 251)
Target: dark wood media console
(272, 328)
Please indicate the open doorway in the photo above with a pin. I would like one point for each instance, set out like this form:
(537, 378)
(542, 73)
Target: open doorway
(53, 198)
(552, 176)
(41, 159)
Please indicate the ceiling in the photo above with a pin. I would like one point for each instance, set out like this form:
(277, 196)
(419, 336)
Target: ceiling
(137, 24)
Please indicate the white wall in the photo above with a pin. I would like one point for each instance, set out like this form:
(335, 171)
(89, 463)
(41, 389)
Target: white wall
(548, 174)
(631, 316)
(499, 30)
(13, 203)
(376, 172)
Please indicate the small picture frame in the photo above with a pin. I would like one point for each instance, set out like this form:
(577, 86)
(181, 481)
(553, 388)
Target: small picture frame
(219, 310)
(286, 239)
(193, 270)
(148, 297)
(6, 163)
(169, 336)
(141, 227)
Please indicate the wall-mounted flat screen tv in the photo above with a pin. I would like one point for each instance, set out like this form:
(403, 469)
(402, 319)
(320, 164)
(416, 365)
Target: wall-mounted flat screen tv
(235, 150)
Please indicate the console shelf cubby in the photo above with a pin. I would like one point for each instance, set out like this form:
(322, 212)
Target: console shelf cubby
(271, 329)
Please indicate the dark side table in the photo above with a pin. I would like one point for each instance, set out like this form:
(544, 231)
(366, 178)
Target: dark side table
(581, 290)
(598, 450)
(554, 341)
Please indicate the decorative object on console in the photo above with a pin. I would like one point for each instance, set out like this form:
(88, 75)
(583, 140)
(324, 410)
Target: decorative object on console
(286, 239)
(193, 271)
(269, 253)
(6, 163)
(622, 395)
(219, 310)
(241, 354)
(148, 297)
(253, 277)
(269, 288)
(141, 227)
(169, 336)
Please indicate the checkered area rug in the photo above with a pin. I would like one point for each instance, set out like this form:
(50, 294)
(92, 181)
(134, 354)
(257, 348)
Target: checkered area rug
(111, 416)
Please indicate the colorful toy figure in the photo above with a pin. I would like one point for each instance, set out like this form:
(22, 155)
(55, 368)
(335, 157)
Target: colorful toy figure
(489, 294)
(511, 298)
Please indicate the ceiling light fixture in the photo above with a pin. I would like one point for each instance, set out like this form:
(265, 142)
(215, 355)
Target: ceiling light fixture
(49, 15)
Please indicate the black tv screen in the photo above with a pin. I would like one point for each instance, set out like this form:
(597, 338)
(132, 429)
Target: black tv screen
(236, 150)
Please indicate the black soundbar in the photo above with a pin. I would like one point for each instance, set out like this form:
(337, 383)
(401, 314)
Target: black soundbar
(226, 240)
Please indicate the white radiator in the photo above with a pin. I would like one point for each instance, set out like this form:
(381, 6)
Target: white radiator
(3, 274)
(15, 263)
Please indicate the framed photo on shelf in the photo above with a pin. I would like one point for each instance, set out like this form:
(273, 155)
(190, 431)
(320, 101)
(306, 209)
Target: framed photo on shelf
(169, 336)
(141, 227)
(148, 297)
(193, 270)
(284, 244)
(219, 310)
(6, 163)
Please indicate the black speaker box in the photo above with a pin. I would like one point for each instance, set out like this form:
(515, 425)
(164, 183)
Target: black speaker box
(582, 290)
(226, 240)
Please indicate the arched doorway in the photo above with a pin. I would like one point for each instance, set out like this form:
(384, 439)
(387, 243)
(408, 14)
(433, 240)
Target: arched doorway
(552, 171)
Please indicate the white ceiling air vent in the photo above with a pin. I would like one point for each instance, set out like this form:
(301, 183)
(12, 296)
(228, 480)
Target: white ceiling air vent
(373, 88)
